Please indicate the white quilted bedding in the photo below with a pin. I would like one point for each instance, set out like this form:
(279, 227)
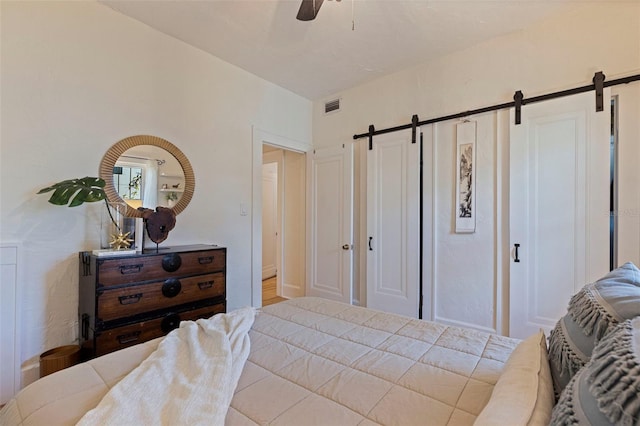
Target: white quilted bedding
(315, 361)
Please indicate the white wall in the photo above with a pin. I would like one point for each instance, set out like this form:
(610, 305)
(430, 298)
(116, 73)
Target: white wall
(464, 274)
(559, 53)
(76, 78)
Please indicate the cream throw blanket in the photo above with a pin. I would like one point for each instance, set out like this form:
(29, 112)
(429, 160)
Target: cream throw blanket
(190, 379)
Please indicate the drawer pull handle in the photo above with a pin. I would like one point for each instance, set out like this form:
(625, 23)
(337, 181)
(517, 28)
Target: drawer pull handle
(171, 262)
(205, 260)
(205, 285)
(123, 339)
(170, 322)
(171, 287)
(131, 299)
(130, 269)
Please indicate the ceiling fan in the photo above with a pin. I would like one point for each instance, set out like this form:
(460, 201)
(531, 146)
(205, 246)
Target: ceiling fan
(309, 10)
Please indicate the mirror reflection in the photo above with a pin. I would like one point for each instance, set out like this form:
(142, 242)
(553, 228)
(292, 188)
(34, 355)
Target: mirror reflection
(148, 176)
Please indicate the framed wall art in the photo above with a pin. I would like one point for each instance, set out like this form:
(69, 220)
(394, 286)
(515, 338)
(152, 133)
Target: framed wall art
(465, 166)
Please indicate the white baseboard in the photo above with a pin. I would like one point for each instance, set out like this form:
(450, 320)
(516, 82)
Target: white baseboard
(464, 324)
(30, 373)
(290, 291)
(268, 272)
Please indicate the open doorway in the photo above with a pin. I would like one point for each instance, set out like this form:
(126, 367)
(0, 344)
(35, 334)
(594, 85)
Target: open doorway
(272, 161)
(283, 224)
(260, 138)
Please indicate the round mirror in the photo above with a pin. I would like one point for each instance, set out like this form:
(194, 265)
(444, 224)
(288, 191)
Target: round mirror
(147, 171)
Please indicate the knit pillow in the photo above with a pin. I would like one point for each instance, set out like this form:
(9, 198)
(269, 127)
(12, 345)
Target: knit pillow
(605, 391)
(592, 312)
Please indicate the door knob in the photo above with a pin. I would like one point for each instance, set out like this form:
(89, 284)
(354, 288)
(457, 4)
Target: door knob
(346, 247)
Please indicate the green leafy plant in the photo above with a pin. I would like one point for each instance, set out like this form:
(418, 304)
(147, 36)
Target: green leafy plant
(75, 192)
(171, 196)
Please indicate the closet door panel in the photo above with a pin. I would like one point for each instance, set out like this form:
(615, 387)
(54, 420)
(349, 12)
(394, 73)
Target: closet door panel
(559, 201)
(393, 224)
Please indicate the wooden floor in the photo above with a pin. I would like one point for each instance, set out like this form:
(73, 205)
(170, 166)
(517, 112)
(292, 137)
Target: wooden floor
(269, 292)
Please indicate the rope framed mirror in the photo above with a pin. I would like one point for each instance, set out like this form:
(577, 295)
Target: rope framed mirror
(143, 159)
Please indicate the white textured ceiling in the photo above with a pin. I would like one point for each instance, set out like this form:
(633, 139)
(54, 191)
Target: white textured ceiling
(318, 58)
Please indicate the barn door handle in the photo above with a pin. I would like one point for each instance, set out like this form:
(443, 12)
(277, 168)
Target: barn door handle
(370, 239)
(516, 259)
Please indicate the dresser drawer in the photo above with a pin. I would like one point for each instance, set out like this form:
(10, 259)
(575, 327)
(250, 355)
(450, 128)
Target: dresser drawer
(129, 335)
(148, 268)
(125, 302)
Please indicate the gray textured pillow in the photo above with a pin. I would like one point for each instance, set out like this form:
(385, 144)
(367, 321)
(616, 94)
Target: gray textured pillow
(605, 391)
(592, 313)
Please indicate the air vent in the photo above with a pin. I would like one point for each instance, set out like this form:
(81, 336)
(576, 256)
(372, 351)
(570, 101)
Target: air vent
(332, 106)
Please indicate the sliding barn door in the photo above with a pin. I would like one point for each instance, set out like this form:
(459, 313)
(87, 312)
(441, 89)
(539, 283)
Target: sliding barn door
(331, 207)
(393, 224)
(559, 204)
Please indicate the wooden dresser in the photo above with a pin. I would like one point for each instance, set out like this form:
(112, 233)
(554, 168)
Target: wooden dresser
(125, 300)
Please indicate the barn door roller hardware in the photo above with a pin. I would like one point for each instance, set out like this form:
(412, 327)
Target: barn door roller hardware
(598, 85)
(598, 82)
(414, 127)
(372, 131)
(517, 99)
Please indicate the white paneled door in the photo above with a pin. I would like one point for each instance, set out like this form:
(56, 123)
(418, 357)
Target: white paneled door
(559, 207)
(393, 224)
(331, 234)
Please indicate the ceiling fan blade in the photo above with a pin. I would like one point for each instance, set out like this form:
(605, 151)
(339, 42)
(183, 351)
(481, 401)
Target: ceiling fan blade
(309, 10)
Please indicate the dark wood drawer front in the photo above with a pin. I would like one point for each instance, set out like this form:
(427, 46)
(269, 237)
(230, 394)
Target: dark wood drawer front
(129, 301)
(147, 268)
(129, 335)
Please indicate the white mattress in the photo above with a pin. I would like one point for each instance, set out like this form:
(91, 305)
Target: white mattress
(314, 361)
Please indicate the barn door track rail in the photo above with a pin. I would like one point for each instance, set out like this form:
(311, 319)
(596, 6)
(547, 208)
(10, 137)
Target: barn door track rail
(519, 100)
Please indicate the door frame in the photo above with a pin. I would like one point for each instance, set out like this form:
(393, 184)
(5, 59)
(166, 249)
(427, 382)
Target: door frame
(260, 137)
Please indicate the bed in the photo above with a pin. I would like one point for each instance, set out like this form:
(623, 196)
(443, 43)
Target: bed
(315, 361)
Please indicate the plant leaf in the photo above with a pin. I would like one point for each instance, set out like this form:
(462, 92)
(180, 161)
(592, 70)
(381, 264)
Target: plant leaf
(75, 192)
